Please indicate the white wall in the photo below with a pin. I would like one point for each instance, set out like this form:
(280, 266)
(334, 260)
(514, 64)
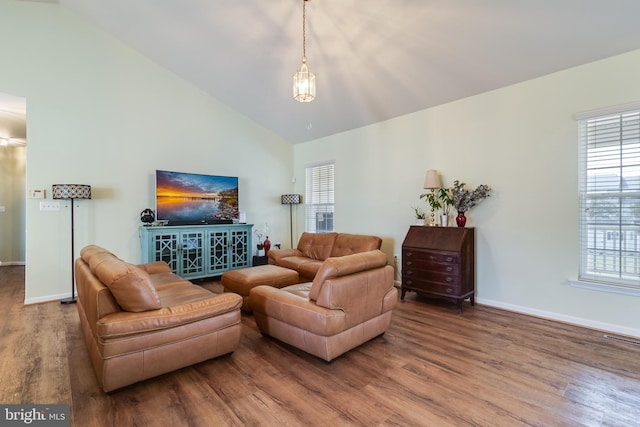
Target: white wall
(98, 113)
(520, 140)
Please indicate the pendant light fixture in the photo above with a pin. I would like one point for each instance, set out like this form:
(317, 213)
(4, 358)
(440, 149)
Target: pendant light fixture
(304, 81)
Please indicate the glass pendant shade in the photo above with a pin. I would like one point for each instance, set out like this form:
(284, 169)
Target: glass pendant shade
(304, 83)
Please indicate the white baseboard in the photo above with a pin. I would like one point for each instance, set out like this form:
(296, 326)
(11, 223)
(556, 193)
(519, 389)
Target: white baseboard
(10, 263)
(591, 324)
(47, 298)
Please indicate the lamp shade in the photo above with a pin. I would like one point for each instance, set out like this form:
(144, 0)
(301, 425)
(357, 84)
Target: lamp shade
(432, 179)
(291, 199)
(71, 191)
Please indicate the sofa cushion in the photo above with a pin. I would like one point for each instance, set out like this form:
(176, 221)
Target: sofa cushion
(316, 246)
(347, 244)
(130, 285)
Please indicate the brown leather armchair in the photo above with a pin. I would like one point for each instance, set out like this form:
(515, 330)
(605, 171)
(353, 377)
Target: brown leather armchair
(349, 302)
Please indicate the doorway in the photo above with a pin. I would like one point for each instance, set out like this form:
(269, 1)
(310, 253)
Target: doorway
(13, 161)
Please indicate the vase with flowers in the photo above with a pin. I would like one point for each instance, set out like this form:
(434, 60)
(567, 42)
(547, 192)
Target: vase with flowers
(463, 199)
(260, 233)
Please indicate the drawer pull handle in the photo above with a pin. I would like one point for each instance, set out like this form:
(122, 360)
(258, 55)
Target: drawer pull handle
(409, 263)
(409, 282)
(409, 254)
(449, 258)
(449, 290)
(409, 272)
(431, 257)
(449, 268)
(449, 279)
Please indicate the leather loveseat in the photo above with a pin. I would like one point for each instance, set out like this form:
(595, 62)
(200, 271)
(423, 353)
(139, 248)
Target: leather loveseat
(142, 321)
(348, 303)
(314, 248)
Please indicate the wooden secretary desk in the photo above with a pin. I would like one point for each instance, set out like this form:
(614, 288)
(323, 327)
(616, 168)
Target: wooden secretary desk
(439, 262)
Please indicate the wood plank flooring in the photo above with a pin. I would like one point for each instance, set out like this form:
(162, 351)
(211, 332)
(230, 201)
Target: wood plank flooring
(433, 367)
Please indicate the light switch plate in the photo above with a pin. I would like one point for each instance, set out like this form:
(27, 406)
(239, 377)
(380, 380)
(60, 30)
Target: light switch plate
(49, 206)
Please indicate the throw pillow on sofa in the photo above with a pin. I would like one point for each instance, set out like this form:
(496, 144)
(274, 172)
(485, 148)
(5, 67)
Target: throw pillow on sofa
(130, 285)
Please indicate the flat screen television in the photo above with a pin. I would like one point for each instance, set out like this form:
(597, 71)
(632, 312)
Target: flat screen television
(191, 199)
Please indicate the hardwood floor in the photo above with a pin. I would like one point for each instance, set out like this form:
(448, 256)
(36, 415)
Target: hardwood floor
(434, 367)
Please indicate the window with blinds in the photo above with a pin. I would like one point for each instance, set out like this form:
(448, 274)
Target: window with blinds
(319, 198)
(610, 198)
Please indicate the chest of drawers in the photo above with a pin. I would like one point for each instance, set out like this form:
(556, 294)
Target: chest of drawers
(439, 262)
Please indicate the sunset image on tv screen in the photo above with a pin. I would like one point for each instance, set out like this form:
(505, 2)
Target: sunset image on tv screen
(195, 198)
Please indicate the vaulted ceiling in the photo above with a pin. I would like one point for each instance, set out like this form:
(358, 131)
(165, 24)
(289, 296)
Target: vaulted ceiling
(374, 59)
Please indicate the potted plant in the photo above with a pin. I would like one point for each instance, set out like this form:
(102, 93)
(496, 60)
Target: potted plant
(446, 200)
(420, 215)
(434, 202)
(463, 199)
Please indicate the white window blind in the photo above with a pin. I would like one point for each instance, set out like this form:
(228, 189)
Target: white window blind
(610, 198)
(319, 198)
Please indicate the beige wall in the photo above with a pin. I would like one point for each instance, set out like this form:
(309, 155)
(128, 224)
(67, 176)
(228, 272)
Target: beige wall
(520, 140)
(101, 114)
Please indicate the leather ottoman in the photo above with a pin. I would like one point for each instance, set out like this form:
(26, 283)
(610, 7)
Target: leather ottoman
(243, 280)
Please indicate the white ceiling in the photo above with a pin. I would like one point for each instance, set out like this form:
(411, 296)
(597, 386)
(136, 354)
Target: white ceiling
(374, 59)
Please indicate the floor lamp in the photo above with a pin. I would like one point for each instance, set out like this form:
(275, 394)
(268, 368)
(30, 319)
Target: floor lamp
(71, 192)
(291, 199)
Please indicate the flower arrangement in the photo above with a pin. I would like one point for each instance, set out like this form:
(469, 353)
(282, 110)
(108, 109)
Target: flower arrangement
(260, 233)
(463, 199)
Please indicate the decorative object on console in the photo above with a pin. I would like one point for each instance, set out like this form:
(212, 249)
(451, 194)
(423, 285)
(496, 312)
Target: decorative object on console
(446, 200)
(291, 199)
(261, 243)
(267, 245)
(304, 81)
(463, 199)
(420, 215)
(432, 182)
(147, 216)
(71, 192)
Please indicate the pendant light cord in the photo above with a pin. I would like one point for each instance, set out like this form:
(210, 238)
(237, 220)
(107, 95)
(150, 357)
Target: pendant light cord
(304, 28)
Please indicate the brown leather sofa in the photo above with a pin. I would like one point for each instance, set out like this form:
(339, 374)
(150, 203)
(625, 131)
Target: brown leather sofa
(314, 248)
(142, 321)
(348, 303)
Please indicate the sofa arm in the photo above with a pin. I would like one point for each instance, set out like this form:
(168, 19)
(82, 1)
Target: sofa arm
(275, 255)
(126, 323)
(155, 267)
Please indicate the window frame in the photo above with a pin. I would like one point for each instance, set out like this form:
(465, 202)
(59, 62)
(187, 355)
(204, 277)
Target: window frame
(597, 138)
(320, 197)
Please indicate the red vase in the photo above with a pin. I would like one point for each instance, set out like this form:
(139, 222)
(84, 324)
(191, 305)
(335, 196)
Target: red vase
(267, 245)
(461, 220)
